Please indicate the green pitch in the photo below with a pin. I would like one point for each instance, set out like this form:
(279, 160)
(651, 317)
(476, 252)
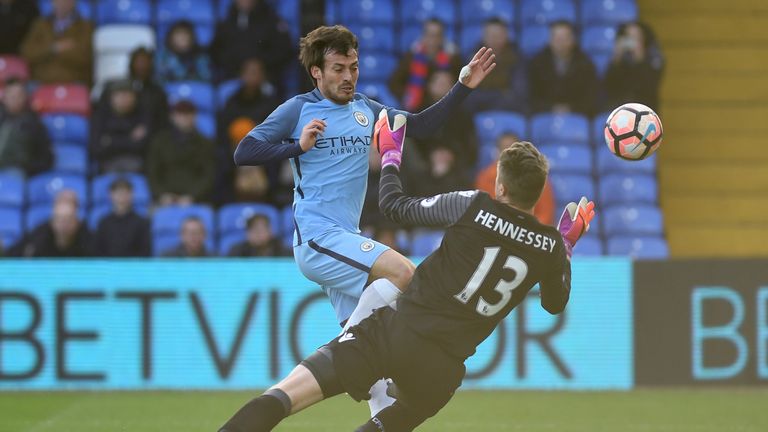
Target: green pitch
(732, 410)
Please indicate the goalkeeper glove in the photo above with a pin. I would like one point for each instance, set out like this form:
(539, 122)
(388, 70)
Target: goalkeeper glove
(575, 222)
(389, 141)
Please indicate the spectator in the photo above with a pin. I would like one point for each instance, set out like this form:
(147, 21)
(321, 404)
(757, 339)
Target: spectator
(122, 233)
(431, 53)
(120, 132)
(562, 77)
(16, 18)
(486, 182)
(254, 99)
(634, 73)
(260, 240)
(63, 236)
(443, 175)
(59, 48)
(505, 88)
(183, 59)
(251, 29)
(25, 147)
(181, 165)
(193, 237)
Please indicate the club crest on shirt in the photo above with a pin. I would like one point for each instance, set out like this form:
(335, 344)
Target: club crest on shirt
(361, 119)
(367, 246)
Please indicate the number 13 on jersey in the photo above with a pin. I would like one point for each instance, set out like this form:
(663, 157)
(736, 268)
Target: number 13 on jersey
(503, 287)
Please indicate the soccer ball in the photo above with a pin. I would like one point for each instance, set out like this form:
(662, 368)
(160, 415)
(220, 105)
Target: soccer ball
(633, 131)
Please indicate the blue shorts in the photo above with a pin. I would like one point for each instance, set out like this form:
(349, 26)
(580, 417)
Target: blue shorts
(340, 262)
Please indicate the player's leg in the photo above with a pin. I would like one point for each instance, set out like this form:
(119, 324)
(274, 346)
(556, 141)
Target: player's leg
(394, 267)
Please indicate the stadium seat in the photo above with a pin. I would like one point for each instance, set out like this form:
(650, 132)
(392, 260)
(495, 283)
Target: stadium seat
(378, 91)
(565, 158)
(40, 213)
(100, 188)
(589, 245)
(196, 11)
(491, 124)
(11, 190)
(12, 67)
(206, 124)
(84, 8)
(533, 39)
(162, 243)
(608, 12)
(571, 187)
(422, 10)
(66, 127)
(124, 11)
(628, 189)
(377, 67)
(366, 11)
(598, 128)
(203, 32)
(410, 34)
(97, 213)
(71, 159)
(641, 247)
(487, 153)
(608, 163)
(472, 36)
(479, 11)
(426, 242)
(286, 215)
(42, 188)
(570, 128)
(228, 240)
(123, 38)
(62, 98)
(198, 92)
(544, 12)
(167, 220)
(633, 219)
(598, 39)
(601, 61)
(10, 227)
(374, 38)
(225, 91)
(332, 14)
(233, 217)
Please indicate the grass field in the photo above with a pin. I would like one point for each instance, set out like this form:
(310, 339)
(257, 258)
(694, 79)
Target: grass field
(731, 410)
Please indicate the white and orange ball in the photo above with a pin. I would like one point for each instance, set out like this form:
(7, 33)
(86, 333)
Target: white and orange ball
(633, 131)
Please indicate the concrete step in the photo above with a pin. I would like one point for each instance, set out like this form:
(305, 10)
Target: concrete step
(713, 240)
(710, 179)
(710, 87)
(716, 117)
(696, 147)
(719, 29)
(707, 58)
(715, 209)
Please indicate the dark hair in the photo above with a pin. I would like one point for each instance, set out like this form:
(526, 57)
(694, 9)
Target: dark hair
(192, 219)
(523, 172)
(564, 23)
(181, 25)
(649, 37)
(323, 40)
(136, 53)
(120, 183)
(255, 218)
(434, 20)
(496, 20)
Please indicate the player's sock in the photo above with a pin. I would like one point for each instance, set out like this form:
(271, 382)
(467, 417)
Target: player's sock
(379, 293)
(261, 414)
(396, 418)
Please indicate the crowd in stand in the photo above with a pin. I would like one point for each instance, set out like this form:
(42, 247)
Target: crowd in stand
(136, 128)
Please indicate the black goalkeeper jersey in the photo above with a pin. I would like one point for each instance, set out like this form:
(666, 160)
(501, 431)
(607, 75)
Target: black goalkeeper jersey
(490, 258)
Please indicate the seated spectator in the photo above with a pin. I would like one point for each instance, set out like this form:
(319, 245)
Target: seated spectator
(254, 99)
(63, 236)
(193, 237)
(443, 174)
(122, 233)
(634, 74)
(562, 77)
(260, 240)
(59, 48)
(251, 29)
(183, 59)
(16, 18)
(181, 165)
(486, 182)
(25, 147)
(505, 88)
(120, 132)
(430, 54)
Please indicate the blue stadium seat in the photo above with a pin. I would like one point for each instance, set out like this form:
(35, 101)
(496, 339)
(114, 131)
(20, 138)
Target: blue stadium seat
(225, 91)
(601, 61)
(286, 215)
(633, 219)
(167, 220)
(40, 213)
(598, 39)
(196, 11)
(84, 8)
(377, 67)
(564, 158)
(487, 153)
(11, 190)
(628, 189)
(641, 247)
(598, 128)
(10, 227)
(228, 240)
(198, 92)
(203, 31)
(410, 34)
(161, 243)
(608, 12)
(98, 211)
(100, 189)
(42, 188)
(607, 162)
(426, 242)
(374, 38)
(124, 11)
(332, 14)
(233, 217)
(589, 245)
(472, 36)
(206, 124)
(479, 11)
(71, 159)
(544, 12)
(70, 128)
(491, 124)
(366, 11)
(571, 187)
(533, 39)
(378, 91)
(422, 10)
(570, 128)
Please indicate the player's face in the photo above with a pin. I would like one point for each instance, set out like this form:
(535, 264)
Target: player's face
(338, 78)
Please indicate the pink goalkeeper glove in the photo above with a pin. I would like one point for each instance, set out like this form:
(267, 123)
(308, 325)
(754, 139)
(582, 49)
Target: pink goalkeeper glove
(575, 222)
(389, 141)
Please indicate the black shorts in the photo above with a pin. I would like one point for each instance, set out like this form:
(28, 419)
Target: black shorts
(382, 346)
